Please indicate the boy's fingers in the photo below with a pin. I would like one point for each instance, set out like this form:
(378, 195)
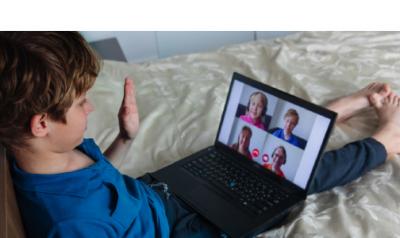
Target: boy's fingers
(129, 88)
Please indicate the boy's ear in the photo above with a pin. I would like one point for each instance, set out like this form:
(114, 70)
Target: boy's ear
(39, 125)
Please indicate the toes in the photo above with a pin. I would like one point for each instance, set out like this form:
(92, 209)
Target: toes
(386, 100)
(375, 100)
(397, 101)
(385, 90)
(382, 88)
(392, 98)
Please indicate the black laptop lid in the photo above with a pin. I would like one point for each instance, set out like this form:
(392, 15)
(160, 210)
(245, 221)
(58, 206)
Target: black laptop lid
(275, 129)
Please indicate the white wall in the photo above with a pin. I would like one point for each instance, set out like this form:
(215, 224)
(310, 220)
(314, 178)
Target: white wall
(271, 34)
(136, 45)
(140, 46)
(174, 43)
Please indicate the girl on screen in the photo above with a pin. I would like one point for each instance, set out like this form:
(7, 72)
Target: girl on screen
(256, 109)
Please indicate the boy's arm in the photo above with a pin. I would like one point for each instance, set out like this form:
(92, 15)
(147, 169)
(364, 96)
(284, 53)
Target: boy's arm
(128, 118)
(118, 148)
(82, 228)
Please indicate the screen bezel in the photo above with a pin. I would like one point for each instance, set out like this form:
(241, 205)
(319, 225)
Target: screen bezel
(289, 98)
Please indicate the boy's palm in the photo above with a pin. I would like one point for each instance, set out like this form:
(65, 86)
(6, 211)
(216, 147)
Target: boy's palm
(128, 115)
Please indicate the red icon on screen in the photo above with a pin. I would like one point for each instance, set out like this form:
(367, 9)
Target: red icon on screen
(265, 158)
(255, 152)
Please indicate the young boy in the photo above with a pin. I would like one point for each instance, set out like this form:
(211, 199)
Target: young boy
(291, 119)
(66, 187)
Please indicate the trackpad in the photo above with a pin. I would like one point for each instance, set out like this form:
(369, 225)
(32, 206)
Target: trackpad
(216, 208)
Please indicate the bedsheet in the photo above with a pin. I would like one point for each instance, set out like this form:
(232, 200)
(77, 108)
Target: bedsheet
(180, 101)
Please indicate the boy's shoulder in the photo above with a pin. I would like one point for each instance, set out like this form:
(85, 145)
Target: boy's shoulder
(89, 146)
(49, 183)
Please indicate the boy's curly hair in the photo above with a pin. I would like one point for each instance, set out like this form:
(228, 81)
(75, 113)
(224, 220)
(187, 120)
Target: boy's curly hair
(41, 72)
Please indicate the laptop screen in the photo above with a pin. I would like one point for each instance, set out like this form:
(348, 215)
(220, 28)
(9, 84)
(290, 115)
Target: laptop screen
(280, 132)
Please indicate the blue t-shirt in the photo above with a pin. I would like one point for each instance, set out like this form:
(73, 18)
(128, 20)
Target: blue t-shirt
(96, 201)
(280, 134)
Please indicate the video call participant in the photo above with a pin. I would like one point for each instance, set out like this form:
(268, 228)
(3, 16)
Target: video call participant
(242, 145)
(291, 119)
(256, 109)
(278, 159)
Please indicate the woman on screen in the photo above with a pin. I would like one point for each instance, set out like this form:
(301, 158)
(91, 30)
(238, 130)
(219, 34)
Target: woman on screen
(242, 145)
(278, 159)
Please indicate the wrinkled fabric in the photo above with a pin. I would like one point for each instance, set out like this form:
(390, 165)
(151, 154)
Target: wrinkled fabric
(180, 101)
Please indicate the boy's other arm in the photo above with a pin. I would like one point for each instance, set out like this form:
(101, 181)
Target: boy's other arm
(128, 118)
(82, 228)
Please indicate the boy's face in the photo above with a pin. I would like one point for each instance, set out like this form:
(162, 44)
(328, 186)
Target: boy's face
(67, 136)
(290, 124)
(256, 106)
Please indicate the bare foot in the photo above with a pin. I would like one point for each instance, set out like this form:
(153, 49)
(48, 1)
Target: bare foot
(347, 106)
(388, 111)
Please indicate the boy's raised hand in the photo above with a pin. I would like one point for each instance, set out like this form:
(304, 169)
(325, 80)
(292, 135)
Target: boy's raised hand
(128, 115)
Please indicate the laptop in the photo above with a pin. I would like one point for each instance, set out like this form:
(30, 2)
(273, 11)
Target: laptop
(260, 166)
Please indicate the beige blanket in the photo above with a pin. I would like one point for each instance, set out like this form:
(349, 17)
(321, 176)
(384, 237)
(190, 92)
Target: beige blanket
(181, 99)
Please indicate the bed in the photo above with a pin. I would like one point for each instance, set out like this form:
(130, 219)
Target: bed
(181, 98)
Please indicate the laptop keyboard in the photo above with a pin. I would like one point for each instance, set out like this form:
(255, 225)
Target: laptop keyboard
(253, 193)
